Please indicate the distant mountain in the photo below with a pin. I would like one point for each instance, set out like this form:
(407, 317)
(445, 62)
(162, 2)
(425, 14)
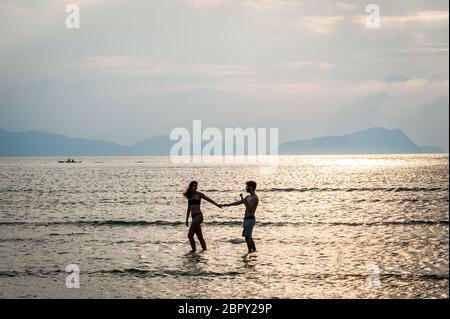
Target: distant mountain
(376, 140)
(158, 145)
(371, 141)
(36, 143)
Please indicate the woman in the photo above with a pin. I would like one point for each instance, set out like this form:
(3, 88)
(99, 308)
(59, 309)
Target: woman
(194, 198)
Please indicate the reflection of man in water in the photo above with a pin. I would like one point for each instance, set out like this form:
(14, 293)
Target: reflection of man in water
(251, 203)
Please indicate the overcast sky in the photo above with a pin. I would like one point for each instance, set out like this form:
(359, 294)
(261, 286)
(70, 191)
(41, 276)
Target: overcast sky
(139, 68)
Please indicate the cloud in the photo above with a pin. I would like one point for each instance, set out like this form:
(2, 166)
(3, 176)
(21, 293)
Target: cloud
(142, 66)
(371, 104)
(397, 78)
(421, 16)
(321, 24)
(247, 3)
(345, 6)
(21, 6)
(432, 50)
(392, 21)
(437, 106)
(311, 64)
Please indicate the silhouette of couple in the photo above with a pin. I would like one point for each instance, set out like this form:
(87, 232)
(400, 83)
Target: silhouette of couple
(194, 198)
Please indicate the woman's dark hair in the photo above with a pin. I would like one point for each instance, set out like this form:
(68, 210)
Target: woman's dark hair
(252, 184)
(189, 191)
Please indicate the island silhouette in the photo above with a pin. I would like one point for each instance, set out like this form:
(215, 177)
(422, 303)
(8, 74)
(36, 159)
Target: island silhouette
(376, 140)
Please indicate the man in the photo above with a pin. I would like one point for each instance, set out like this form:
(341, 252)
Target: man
(251, 203)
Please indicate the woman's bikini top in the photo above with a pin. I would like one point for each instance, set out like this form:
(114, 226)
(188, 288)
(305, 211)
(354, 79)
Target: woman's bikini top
(194, 201)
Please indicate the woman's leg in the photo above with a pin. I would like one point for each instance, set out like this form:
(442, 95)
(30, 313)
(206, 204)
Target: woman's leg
(192, 231)
(200, 237)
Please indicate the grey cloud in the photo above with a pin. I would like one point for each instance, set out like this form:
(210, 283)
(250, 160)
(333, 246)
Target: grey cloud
(438, 106)
(371, 104)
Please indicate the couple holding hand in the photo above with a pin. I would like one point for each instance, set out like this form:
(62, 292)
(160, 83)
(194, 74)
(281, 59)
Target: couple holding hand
(194, 198)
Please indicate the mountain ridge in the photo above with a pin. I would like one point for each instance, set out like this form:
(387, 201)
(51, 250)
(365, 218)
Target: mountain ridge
(376, 140)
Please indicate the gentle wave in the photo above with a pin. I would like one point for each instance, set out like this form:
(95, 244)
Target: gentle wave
(383, 276)
(325, 189)
(96, 223)
(361, 189)
(143, 223)
(29, 273)
(262, 190)
(136, 272)
(165, 273)
(20, 239)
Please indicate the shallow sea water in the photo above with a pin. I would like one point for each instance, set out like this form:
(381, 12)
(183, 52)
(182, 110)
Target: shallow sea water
(363, 226)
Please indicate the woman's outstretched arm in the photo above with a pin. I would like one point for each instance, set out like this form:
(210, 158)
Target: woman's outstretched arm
(209, 200)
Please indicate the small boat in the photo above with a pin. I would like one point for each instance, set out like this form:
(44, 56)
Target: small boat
(69, 161)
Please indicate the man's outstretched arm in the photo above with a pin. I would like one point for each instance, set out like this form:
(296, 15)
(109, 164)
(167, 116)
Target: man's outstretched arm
(239, 202)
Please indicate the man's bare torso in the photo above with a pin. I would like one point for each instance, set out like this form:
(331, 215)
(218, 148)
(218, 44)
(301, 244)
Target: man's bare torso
(251, 205)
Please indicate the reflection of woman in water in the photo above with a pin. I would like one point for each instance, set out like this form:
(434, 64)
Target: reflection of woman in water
(194, 198)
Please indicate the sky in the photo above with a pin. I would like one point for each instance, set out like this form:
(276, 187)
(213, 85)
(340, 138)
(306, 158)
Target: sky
(139, 68)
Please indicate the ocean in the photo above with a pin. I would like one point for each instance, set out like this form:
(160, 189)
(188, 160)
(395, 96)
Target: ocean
(344, 226)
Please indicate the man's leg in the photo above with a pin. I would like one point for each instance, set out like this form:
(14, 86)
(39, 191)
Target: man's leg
(250, 236)
(252, 244)
(249, 243)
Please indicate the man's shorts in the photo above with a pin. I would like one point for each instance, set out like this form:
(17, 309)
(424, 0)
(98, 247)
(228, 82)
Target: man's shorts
(248, 227)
